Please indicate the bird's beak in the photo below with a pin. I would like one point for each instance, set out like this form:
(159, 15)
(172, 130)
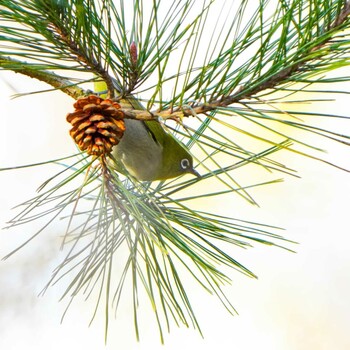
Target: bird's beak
(195, 173)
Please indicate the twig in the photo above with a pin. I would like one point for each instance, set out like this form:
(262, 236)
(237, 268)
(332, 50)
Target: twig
(84, 58)
(50, 78)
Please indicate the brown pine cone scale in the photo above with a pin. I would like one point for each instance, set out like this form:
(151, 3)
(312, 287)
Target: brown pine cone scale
(97, 124)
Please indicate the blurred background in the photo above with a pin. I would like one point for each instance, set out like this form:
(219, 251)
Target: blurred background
(300, 300)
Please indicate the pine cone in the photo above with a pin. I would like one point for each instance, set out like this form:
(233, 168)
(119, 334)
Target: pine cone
(97, 124)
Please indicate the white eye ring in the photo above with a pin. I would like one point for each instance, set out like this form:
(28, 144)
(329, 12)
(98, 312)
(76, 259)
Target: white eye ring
(185, 163)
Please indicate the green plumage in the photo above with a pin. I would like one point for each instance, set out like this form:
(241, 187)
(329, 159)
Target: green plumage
(150, 153)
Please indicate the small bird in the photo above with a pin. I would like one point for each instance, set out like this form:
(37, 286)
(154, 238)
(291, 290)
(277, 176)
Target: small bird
(150, 153)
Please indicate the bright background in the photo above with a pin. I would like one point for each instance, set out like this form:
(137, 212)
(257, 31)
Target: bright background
(300, 301)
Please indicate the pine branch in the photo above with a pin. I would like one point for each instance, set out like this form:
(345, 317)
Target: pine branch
(82, 56)
(315, 51)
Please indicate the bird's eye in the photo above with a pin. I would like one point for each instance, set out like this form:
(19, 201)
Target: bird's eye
(185, 163)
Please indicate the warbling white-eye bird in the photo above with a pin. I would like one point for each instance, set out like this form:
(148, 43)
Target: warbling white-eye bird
(148, 151)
